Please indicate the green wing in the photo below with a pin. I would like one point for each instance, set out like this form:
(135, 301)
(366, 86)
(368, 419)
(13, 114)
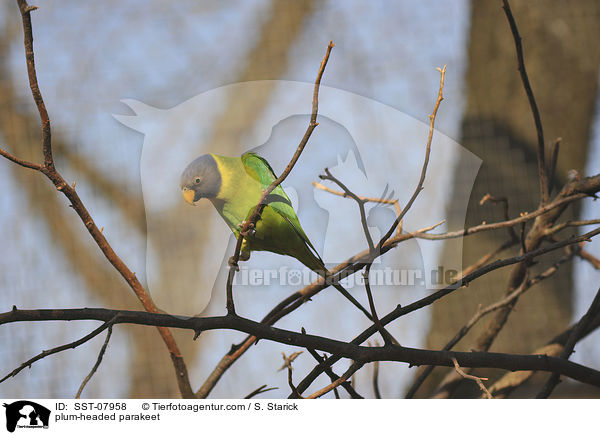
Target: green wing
(259, 169)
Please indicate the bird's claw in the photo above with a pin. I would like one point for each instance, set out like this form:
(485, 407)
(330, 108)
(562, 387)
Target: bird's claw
(247, 229)
(232, 263)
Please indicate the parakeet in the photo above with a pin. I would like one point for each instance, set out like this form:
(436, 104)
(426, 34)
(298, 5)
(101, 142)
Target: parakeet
(234, 185)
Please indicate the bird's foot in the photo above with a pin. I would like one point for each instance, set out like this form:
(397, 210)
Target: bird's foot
(247, 229)
(232, 263)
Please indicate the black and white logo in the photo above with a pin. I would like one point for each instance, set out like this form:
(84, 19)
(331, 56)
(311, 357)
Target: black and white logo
(26, 414)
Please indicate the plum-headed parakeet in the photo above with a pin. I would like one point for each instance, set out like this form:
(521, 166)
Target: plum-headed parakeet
(234, 185)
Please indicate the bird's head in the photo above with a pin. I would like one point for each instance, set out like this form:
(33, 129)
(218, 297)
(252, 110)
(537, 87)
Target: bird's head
(201, 179)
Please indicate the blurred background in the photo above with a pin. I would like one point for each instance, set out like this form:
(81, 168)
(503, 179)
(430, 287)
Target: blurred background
(91, 55)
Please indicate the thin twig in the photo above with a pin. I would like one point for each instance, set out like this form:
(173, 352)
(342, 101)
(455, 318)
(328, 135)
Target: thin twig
(19, 161)
(594, 261)
(329, 372)
(419, 187)
(393, 202)
(353, 368)
(570, 224)
(376, 320)
(260, 390)
(573, 191)
(504, 201)
(98, 361)
(553, 163)
(474, 378)
(58, 349)
(375, 381)
(485, 258)
(359, 201)
(25, 10)
(288, 360)
(543, 176)
(363, 220)
(288, 364)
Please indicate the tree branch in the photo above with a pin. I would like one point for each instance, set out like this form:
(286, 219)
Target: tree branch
(574, 337)
(98, 361)
(542, 171)
(419, 187)
(49, 170)
(108, 323)
(504, 302)
(359, 354)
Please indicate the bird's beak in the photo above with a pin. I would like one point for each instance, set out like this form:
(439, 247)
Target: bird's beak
(188, 195)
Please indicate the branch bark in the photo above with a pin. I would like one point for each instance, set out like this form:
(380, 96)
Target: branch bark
(359, 354)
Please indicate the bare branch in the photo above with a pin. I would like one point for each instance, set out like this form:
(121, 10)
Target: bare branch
(359, 354)
(353, 369)
(474, 378)
(510, 381)
(553, 163)
(58, 349)
(594, 261)
(393, 202)
(288, 360)
(574, 337)
(504, 201)
(359, 201)
(19, 161)
(481, 312)
(428, 300)
(570, 224)
(33, 83)
(561, 202)
(260, 390)
(543, 176)
(376, 320)
(49, 170)
(98, 361)
(419, 187)
(376, 377)
(485, 258)
(329, 372)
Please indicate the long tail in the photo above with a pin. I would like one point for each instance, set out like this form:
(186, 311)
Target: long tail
(316, 265)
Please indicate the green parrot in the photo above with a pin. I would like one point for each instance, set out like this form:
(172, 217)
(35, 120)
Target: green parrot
(234, 185)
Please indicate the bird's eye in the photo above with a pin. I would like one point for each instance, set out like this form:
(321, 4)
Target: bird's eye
(197, 180)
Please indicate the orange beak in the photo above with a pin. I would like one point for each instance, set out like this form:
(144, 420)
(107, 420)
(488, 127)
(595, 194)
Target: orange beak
(188, 195)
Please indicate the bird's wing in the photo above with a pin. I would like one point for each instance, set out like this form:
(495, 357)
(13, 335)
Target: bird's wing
(259, 169)
(295, 224)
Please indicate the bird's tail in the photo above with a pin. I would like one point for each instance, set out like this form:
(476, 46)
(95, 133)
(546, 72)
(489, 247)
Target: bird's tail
(313, 261)
(317, 265)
